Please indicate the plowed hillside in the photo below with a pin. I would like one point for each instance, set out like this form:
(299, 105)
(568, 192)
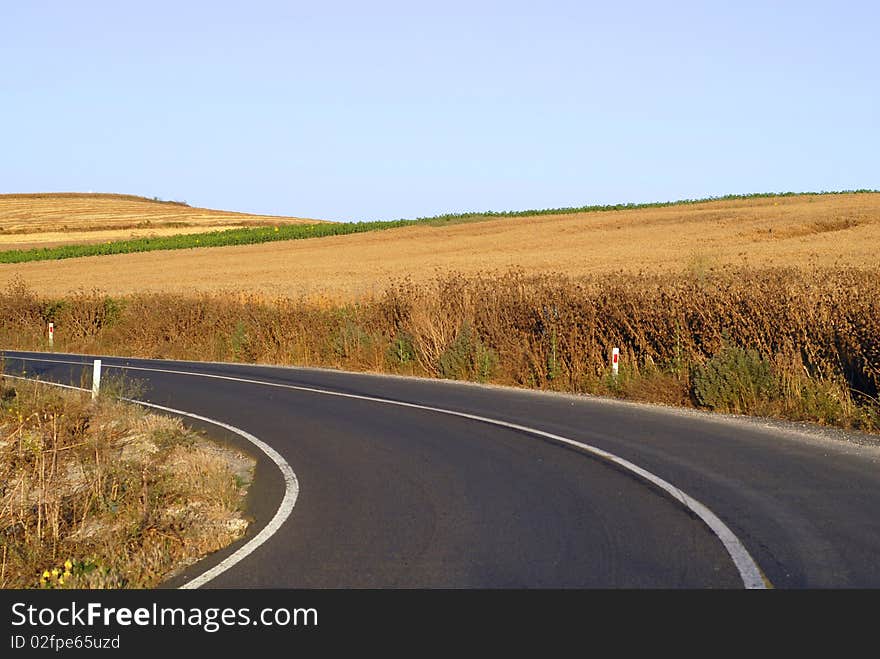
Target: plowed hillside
(803, 231)
(44, 220)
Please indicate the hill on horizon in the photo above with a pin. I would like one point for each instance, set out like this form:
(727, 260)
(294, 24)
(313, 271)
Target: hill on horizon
(50, 219)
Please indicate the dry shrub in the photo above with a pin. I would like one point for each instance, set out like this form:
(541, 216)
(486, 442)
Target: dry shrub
(105, 495)
(545, 331)
(437, 316)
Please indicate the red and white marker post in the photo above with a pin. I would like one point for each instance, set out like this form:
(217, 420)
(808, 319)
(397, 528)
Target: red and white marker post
(615, 360)
(51, 335)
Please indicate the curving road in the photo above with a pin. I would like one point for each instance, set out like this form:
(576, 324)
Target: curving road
(395, 495)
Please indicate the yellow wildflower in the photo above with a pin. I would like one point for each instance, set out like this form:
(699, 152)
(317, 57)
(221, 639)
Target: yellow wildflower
(68, 565)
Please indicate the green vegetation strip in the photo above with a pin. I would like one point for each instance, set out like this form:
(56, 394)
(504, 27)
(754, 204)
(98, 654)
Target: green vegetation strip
(569, 210)
(209, 239)
(253, 236)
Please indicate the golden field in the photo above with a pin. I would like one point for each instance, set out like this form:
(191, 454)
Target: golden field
(48, 220)
(808, 231)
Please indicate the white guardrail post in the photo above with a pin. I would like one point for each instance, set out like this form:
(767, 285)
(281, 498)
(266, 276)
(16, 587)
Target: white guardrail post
(51, 335)
(96, 378)
(615, 358)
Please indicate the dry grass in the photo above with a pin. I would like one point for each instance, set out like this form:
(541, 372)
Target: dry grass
(800, 231)
(105, 495)
(46, 220)
(812, 340)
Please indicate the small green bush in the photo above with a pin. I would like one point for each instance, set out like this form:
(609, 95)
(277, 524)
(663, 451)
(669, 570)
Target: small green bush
(240, 342)
(350, 340)
(401, 351)
(467, 358)
(112, 310)
(52, 309)
(735, 380)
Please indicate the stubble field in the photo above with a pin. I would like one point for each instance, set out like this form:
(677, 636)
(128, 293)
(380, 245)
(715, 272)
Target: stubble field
(806, 231)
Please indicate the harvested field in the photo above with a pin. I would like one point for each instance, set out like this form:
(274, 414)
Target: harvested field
(803, 231)
(45, 220)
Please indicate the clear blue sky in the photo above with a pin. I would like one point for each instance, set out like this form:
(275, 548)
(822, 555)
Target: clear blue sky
(381, 110)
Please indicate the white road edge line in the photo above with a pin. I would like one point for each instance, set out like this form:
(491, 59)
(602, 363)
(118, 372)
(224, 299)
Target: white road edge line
(291, 487)
(751, 575)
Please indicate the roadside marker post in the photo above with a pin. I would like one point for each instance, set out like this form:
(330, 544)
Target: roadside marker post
(615, 359)
(51, 335)
(96, 378)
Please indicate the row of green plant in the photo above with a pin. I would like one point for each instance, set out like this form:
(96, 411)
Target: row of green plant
(255, 235)
(220, 238)
(596, 208)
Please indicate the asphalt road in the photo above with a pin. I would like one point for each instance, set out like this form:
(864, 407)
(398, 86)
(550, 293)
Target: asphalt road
(394, 496)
